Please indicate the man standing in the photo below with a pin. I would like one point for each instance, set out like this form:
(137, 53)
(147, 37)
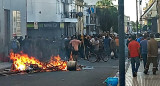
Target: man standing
(96, 49)
(143, 49)
(128, 40)
(117, 45)
(107, 45)
(152, 54)
(113, 47)
(75, 43)
(15, 45)
(67, 47)
(133, 53)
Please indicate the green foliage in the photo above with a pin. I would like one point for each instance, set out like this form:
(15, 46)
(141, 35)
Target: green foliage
(133, 26)
(107, 15)
(104, 3)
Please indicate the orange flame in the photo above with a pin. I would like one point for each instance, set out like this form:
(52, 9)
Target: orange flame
(21, 61)
(56, 61)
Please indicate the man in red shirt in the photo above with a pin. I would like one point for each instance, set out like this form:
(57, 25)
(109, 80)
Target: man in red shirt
(134, 52)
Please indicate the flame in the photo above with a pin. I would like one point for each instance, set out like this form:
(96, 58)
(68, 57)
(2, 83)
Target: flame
(56, 61)
(21, 61)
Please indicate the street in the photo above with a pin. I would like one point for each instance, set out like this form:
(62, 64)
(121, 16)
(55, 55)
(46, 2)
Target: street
(89, 77)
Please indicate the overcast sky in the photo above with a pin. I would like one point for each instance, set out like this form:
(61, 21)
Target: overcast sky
(129, 7)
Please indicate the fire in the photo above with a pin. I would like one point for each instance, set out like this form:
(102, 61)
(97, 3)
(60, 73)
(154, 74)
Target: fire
(56, 61)
(21, 61)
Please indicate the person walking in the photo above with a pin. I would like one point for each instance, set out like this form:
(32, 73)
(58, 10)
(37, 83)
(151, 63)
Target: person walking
(67, 47)
(143, 49)
(75, 43)
(21, 43)
(15, 45)
(128, 41)
(87, 46)
(152, 54)
(107, 46)
(133, 53)
(117, 44)
(96, 49)
(113, 47)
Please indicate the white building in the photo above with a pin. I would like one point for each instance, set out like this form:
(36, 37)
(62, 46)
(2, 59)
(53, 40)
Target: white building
(127, 25)
(12, 22)
(55, 17)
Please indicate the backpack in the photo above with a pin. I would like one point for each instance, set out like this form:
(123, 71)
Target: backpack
(14, 44)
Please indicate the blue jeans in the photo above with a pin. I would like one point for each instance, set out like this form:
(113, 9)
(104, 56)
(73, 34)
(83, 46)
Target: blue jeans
(135, 63)
(144, 56)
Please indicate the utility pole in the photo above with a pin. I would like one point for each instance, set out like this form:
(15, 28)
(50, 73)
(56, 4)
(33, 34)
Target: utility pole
(140, 11)
(121, 43)
(137, 15)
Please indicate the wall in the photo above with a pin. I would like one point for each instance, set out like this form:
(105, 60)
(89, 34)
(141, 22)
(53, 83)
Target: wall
(1, 30)
(6, 32)
(20, 5)
(44, 10)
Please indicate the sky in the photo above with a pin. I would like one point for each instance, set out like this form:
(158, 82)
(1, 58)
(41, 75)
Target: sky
(129, 7)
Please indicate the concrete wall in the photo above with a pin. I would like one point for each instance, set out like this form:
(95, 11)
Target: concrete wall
(10, 6)
(20, 5)
(44, 10)
(1, 31)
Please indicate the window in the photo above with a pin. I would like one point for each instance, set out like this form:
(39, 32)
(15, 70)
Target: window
(17, 23)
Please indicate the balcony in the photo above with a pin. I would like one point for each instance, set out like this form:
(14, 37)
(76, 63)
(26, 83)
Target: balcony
(69, 17)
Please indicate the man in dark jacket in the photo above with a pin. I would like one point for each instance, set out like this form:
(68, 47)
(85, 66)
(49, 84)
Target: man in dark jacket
(152, 54)
(143, 49)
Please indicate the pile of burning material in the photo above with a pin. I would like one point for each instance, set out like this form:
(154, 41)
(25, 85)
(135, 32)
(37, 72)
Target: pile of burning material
(22, 62)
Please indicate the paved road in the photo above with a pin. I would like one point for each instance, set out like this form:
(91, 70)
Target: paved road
(94, 77)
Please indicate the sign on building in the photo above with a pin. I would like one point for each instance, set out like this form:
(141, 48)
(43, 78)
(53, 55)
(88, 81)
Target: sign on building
(35, 25)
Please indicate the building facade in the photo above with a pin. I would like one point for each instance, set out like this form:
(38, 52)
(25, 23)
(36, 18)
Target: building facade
(12, 22)
(127, 26)
(54, 17)
(151, 16)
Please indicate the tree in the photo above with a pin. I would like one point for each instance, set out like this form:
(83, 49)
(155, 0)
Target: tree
(107, 15)
(134, 26)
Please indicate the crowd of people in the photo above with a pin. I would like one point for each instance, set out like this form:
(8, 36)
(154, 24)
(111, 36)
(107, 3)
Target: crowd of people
(107, 44)
(143, 47)
(78, 46)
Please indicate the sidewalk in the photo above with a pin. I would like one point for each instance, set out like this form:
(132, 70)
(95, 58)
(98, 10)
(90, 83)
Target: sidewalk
(142, 79)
